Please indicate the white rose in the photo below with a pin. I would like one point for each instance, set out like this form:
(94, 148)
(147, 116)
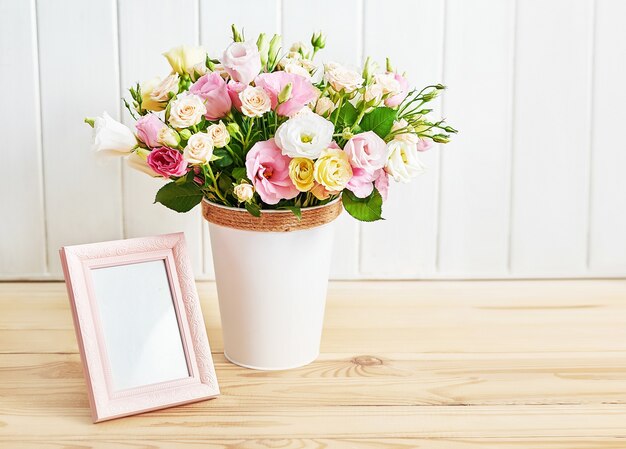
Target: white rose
(219, 134)
(186, 110)
(137, 161)
(112, 138)
(297, 69)
(161, 92)
(373, 94)
(341, 78)
(168, 137)
(255, 101)
(244, 192)
(199, 149)
(324, 106)
(304, 135)
(387, 83)
(184, 58)
(406, 136)
(403, 163)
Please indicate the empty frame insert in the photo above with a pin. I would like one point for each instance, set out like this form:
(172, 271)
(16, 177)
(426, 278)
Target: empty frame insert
(139, 325)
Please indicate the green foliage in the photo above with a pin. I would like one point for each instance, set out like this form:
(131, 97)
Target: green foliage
(224, 159)
(179, 197)
(380, 120)
(253, 208)
(345, 116)
(239, 173)
(363, 209)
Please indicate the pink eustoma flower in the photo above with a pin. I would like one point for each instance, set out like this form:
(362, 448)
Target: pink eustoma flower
(212, 89)
(167, 162)
(148, 128)
(367, 151)
(302, 91)
(234, 89)
(268, 170)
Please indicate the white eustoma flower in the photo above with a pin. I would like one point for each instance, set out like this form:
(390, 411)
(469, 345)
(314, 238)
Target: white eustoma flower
(403, 163)
(199, 149)
(186, 110)
(304, 135)
(137, 161)
(110, 137)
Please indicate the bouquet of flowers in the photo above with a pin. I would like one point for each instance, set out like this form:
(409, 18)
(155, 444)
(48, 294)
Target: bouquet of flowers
(261, 128)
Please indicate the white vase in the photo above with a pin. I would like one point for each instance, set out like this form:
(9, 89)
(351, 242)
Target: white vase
(272, 292)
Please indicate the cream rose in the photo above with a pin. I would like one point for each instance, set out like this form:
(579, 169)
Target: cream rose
(333, 170)
(161, 92)
(343, 79)
(168, 137)
(403, 163)
(297, 69)
(324, 106)
(199, 149)
(373, 94)
(304, 135)
(388, 83)
(301, 173)
(255, 101)
(182, 59)
(219, 134)
(186, 110)
(244, 192)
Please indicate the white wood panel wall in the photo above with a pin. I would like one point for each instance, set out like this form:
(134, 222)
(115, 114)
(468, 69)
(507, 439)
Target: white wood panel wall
(533, 186)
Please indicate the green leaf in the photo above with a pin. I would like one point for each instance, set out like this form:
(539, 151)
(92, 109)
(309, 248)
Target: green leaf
(380, 120)
(225, 183)
(345, 116)
(224, 159)
(239, 173)
(363, 209)
(296, 211)
(253, 208)
(179, 197)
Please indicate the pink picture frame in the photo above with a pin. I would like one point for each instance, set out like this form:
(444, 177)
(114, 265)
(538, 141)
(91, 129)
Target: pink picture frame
(107, 403)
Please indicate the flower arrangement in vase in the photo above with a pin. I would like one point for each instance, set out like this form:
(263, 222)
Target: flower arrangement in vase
(273, 142)
(262, 129)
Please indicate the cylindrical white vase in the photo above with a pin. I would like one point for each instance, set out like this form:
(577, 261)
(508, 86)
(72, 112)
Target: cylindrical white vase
(272, 292)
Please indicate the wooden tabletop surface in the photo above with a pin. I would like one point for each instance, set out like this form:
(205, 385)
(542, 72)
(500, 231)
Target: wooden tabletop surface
(506, 364)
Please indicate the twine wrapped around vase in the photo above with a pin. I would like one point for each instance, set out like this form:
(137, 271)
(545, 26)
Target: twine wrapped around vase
(271, 220)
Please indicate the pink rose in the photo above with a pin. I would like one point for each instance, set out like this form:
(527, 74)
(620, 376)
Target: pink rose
(361, 183)
(302, 91)
(167, 162)
(234, 89)
(381, 182)
(148, 128)
(367, 151)
(242, 61)
(212, 89)
(399, 97)
(424, 144)
(268, 170)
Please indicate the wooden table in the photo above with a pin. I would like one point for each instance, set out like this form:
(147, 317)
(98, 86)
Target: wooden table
(538, 364)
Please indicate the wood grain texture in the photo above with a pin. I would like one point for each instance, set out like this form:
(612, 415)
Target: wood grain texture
(403, 365)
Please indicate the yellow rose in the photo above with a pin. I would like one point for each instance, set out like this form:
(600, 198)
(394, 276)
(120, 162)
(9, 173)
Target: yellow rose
(301, 173)
(184, 58)
(333, 169)
(147, 102)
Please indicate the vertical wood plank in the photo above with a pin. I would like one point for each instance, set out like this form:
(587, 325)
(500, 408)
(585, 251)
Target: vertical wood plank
(215, 34)
(23, 246)
(607, 252)
(79, 78)
(141, 59)
(475, 170)
(551, 138)
(404, 245)
(342, 24)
